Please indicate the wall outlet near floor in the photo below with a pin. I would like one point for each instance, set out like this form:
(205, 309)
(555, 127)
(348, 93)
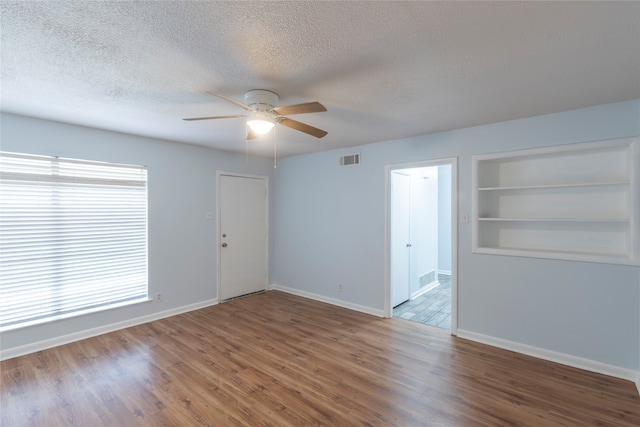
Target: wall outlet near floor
(340, 287)
(159, 297)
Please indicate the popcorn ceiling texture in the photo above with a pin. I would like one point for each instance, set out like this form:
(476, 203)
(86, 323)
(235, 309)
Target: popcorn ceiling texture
(384, 70)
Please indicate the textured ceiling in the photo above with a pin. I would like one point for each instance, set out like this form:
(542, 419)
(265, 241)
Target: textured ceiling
(384, 70)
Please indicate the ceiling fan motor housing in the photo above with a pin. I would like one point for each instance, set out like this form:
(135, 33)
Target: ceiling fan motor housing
(261, 99)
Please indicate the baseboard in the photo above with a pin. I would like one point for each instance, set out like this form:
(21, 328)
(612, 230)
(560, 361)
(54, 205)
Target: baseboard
(88, 333)
(333, 301)
(427, 278)
(423, 290)
(553, 356)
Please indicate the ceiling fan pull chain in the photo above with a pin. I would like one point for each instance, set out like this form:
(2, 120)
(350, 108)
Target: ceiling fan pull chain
(275, 153)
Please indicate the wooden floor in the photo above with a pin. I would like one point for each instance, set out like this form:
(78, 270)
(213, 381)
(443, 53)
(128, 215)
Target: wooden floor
(281, 360)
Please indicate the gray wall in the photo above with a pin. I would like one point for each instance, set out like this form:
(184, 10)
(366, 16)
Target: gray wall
(181, 188)
(329, 227)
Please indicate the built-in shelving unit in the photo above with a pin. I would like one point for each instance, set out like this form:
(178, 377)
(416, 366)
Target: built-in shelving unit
(573, 202)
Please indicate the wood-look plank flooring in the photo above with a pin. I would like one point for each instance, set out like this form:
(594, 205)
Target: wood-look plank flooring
(279, 360)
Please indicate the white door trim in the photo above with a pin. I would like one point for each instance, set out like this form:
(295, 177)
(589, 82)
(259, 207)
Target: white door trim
(453, 161)
(219, 174)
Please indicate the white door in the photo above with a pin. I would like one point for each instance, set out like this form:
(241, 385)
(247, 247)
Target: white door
(400, 235)
(243, 235)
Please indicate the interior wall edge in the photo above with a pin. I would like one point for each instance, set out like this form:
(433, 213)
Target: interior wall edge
(333, 301)
(105, 329)
(553, 356)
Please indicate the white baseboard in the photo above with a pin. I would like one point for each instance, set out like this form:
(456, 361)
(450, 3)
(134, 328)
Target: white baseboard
(553, 356)
(88, 333)
(333, 301)
(426, 288)
(565, 359)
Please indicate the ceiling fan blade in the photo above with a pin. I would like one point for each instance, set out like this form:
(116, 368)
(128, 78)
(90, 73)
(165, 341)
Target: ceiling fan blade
(309, 107)
(213, 117)
(231, 100)
(302, 127)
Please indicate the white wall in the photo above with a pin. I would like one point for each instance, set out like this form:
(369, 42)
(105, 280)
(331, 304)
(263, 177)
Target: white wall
(444, 218)
(424, 229)
(181, 188)
(329, 227)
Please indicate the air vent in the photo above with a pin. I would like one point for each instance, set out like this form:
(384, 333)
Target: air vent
(350, 159)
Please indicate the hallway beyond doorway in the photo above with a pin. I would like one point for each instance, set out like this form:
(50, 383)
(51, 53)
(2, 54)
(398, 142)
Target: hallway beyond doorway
(429, 247)
(431, 308)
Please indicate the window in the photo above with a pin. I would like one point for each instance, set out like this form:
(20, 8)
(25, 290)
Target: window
(73, 237)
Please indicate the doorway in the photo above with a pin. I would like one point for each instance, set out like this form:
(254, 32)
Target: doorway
(422, 257)
(242, 235)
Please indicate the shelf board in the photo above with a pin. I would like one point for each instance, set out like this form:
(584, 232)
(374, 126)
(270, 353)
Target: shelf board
(555, 219)
(552, 186)
(609, 258)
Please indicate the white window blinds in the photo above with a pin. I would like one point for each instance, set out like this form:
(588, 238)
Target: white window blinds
(73, 237)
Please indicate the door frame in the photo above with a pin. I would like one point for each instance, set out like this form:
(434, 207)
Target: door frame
(453, 162)
(219, 175)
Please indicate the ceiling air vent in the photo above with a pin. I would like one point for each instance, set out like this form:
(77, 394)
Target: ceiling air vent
(350, 159)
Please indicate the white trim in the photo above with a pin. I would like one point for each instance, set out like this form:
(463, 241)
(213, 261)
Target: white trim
(562, 148)
(454, 245)
(553, 356)
(453, 161)
(89, 333)
(638, 382)
(317, 297)
(426, 288)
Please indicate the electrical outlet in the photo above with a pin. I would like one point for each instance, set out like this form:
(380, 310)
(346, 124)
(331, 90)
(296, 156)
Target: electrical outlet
(159, 297)
(340, 287)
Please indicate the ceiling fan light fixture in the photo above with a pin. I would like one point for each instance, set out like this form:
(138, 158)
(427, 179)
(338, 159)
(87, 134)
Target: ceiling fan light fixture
(260, 126)
(261, 121)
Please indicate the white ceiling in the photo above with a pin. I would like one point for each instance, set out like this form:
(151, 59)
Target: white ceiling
(384, 70)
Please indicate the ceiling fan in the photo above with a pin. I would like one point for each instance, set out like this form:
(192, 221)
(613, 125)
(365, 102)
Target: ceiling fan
(264, 113)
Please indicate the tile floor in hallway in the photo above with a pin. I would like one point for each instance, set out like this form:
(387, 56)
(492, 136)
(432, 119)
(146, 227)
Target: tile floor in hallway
(431, 308)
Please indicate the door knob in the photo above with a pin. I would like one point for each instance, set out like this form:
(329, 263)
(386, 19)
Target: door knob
(224, 245)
